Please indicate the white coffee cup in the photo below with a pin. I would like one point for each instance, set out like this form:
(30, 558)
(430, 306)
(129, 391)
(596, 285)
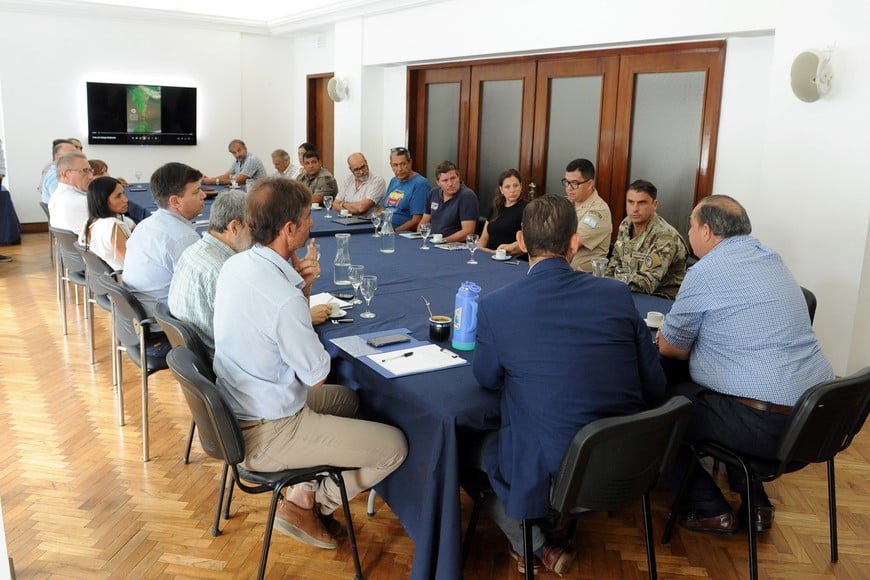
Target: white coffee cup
(437, 238)
(315, 206)
(501, 254)
(345, 213)
(655, 318)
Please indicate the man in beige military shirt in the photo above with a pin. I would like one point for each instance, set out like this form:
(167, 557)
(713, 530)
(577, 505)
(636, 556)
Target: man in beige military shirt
(593, 214)
(646, 245)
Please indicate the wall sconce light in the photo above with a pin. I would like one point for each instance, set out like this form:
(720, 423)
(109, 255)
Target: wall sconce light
(811, 75)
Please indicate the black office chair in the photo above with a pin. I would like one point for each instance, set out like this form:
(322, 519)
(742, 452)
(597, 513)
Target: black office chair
(94, 267)
(811, 303)
(824, 421)
(135, 334)
(609, 464)
(69, 267)
(180, 333)
(219, 428)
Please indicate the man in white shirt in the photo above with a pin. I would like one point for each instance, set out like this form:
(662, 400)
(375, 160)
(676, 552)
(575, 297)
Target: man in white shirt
(68, 206)
(361, 192)
(158, 241)
(283, 165)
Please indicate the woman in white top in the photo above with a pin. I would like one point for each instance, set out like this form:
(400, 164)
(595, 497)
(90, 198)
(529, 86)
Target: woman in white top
(107, 229)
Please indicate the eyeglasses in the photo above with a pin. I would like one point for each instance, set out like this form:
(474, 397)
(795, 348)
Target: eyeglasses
(399, 150)
(362, 167)
(86, 170)
(574, 184)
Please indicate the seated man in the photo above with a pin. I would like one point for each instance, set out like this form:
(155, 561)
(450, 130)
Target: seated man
(272, 367)
(49, 174)
(593, 214)
(192, 289)
(283, 165)
(68, 206)
(592, 357)
(316, 177)
(157, 243)
(246, 166)
(649, 247)
(742, 321)
(362, 191)
(406, 192)
(451, 208)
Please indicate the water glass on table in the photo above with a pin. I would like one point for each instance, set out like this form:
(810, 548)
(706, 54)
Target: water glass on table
(471, 245)
(368, 285)
(425, 230)
(327, 203)
(355, 274)
(377, 219)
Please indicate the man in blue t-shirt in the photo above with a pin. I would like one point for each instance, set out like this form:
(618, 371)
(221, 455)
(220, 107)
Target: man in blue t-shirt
(406, 192)
(451, 207)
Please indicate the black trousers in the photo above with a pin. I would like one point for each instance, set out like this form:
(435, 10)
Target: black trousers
(723, 419)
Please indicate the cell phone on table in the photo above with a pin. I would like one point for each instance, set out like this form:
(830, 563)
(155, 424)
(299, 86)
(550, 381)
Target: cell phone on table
(388, 339)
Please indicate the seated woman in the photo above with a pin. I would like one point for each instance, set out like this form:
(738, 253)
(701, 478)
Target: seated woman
(100, 169)
(107, 229)
(506, 218)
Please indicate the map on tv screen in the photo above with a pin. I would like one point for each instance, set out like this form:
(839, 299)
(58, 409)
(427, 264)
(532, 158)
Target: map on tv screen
(143, 109)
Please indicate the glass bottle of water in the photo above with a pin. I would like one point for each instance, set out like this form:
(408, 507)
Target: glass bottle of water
(341, 276)
(388, 234)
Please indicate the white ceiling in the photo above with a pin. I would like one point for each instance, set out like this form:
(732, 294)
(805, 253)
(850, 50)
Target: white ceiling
(264, 16)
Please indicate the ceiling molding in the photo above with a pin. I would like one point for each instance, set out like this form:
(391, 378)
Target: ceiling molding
(318, 18)
(129, 13)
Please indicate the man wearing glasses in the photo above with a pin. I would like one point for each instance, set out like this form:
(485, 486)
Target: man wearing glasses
(361, 192)
(593, 214)
(68, 206)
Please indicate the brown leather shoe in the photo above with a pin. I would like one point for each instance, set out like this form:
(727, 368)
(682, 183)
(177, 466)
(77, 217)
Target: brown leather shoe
(762, 517)
(303, 525)
(521, 563)
(723, 524)
(335, 528)
(556, 558)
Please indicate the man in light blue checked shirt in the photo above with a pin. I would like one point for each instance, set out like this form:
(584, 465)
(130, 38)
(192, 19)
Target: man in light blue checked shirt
(741, 320)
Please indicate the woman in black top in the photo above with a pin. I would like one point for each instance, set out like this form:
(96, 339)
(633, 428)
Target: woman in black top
(505, 220)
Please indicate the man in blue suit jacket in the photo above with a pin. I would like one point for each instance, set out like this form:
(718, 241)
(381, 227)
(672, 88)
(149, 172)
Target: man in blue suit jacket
(564, 348)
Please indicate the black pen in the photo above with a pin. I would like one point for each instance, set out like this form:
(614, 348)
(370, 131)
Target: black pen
(409, 353)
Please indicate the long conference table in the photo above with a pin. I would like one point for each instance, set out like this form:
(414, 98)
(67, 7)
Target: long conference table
(141, 205)
(432, 409)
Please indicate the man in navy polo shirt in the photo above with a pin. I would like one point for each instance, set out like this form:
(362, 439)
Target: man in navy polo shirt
(451, 208)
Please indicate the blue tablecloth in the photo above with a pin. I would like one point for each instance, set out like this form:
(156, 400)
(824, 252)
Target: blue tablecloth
(432, 409)
(141, 205)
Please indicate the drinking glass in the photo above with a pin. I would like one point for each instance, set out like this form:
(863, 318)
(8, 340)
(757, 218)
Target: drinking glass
(621, 274)
(138, 175)
(471, 244)
(355, 273)
(377, 219)
(425, 230)
(368, 286)
(327, 203)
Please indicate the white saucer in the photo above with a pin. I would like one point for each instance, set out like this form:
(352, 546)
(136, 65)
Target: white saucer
(337, 313)
(653, 324)
(505, 259)
(316, 207)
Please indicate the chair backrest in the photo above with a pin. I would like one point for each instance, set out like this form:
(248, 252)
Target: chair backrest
(180, 333)
(811, 303)
(825, 420)
(129, 312)
(66, 245)
(94, 267)
(612, 462)
(217, 425)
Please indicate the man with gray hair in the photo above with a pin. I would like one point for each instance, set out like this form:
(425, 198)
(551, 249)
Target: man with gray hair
(191, 292)
(246, 167)
(68, 206)
(741, 320)
(362, 191)
(49, 174)
(283, 164)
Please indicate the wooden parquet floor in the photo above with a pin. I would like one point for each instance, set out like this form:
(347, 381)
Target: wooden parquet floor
(78, 502)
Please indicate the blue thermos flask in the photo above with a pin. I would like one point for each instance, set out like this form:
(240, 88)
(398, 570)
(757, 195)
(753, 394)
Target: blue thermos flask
(465, 316)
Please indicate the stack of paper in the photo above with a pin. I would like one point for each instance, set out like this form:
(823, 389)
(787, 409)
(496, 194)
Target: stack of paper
(419, 359)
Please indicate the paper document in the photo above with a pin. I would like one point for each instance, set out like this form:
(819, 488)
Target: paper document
(327, 298)
(419, 359)
(451, 246)
(411, 235)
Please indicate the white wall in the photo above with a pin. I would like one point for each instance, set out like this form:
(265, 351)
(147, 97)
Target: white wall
(241, 91)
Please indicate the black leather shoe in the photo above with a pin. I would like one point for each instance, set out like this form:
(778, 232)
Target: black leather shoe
(762, 517)
(722, 525)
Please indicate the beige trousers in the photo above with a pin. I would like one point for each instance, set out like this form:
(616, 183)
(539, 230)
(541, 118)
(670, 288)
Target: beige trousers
(324, 433)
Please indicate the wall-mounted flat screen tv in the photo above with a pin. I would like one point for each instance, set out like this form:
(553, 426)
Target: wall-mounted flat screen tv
(121, 114)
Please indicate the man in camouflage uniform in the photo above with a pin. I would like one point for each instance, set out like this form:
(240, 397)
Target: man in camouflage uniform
(649, 247)
(593, 214)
